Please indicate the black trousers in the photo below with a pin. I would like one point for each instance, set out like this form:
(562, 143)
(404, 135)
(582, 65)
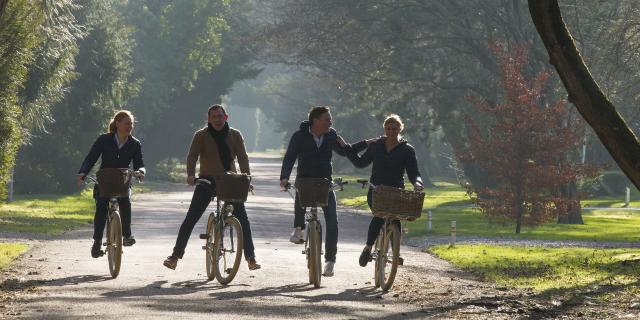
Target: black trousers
(102, 210)
(376, 223)
(199, 202)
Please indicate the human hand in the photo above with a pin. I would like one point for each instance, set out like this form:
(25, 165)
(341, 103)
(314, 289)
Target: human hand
(418, 187)
(283, 183)
(191, 180)
(80, 179)
(341, 141)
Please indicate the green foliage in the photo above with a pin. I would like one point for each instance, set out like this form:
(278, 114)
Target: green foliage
(102, 85)
(18, 38)
(54, 63)
(545, 269)
(189, 55)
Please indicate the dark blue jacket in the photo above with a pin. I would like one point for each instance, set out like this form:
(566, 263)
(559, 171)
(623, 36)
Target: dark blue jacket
(112, 157)
(313, 162)
(388, 167)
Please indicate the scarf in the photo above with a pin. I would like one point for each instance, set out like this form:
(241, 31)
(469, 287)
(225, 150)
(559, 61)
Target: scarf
(223, 148)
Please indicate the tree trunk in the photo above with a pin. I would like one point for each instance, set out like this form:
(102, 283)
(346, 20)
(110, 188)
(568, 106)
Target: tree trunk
(3, 5)
(519, 213)
(574, 212)
(583, 91)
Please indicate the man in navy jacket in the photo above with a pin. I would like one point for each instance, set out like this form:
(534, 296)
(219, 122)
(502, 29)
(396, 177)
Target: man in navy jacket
(313, 145)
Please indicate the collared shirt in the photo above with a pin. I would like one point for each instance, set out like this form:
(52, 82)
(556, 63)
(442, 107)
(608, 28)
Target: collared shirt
(120, 145)
(318, 140)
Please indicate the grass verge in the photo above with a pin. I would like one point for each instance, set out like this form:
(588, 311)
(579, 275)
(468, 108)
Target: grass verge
(10, 251)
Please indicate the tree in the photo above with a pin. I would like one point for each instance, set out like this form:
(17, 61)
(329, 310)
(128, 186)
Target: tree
(18, 38)
(525, 148)
(103, 84)
(583, 91)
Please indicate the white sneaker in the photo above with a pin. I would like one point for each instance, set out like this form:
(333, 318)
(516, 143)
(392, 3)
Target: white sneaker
(328, 269)
(297, 236)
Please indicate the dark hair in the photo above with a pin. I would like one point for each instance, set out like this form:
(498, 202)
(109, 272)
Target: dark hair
(216, 106)
(317, 112)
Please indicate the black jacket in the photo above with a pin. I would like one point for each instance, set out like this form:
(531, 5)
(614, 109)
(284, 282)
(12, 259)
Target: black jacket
(313, 162)
(388, 167)
(112, 157)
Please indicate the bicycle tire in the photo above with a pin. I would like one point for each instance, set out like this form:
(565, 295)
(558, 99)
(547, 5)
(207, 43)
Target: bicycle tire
(376, 254)
(390, 261)
(225, 271)
(315, 249)
(114, 244)
(209, 261)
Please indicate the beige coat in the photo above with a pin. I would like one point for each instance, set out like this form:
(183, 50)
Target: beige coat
(205, 148)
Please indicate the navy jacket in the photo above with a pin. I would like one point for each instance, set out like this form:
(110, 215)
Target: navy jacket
(313, 162)
(112, 157)
(388, 167)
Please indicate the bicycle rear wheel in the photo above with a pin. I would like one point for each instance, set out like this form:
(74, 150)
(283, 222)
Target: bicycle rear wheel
(228, 250)
(114, 243)
(210, 261)
(389, 257)
(314, 261)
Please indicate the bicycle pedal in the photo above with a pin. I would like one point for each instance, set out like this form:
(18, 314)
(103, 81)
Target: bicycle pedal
(400, 261)
(105, 244)
(204, 236)
(204, 247)
(304, 252)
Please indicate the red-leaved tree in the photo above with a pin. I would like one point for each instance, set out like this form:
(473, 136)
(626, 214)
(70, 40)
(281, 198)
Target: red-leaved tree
(525, 147)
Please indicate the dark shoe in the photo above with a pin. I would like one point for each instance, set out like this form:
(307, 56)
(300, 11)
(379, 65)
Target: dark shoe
(171, 262)
(95, 250)
(253, 265)
(127, 242)
(365, 257)
(400, 261)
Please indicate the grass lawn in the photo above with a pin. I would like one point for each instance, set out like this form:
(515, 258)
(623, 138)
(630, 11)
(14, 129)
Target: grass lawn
(10, 251)
(52, 214)
(449, 202)
(545, 269)
(49, 214)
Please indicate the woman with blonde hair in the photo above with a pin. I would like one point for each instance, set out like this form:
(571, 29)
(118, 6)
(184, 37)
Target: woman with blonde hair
(391, 156)
(118, 149)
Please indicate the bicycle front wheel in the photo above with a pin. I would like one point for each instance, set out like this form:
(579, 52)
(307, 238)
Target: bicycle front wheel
(314, 261)
(228, 250)
(376, 255)
(388, 257)
(114, 243)
(210, 261)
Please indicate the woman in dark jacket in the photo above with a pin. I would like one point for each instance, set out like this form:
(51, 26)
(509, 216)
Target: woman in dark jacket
(391, 157)
(118, 149)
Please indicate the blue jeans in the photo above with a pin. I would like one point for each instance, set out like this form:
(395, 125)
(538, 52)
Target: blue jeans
(331, 221)
(199, 202)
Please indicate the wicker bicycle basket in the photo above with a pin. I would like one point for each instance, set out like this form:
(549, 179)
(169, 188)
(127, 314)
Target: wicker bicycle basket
(395, 203)
(313, 192)
(113, 182)
(233, 187)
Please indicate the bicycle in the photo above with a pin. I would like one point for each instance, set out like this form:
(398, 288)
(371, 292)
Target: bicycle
(224, 239)
(113, 183)
(391, 204)
(313, 193)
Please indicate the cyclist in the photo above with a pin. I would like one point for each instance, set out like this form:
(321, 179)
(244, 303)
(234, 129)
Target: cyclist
(391, 156)
(118, 149)
(216, 146)
(313, 145)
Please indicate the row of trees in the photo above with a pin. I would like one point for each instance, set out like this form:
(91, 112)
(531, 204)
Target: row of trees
(422, 58)
(68, 65)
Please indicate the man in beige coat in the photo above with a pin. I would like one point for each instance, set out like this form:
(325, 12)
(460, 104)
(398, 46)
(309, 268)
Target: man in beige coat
(216, 146)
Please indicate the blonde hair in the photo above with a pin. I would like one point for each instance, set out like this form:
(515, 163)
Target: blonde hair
(393, 118)
(118, 117)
